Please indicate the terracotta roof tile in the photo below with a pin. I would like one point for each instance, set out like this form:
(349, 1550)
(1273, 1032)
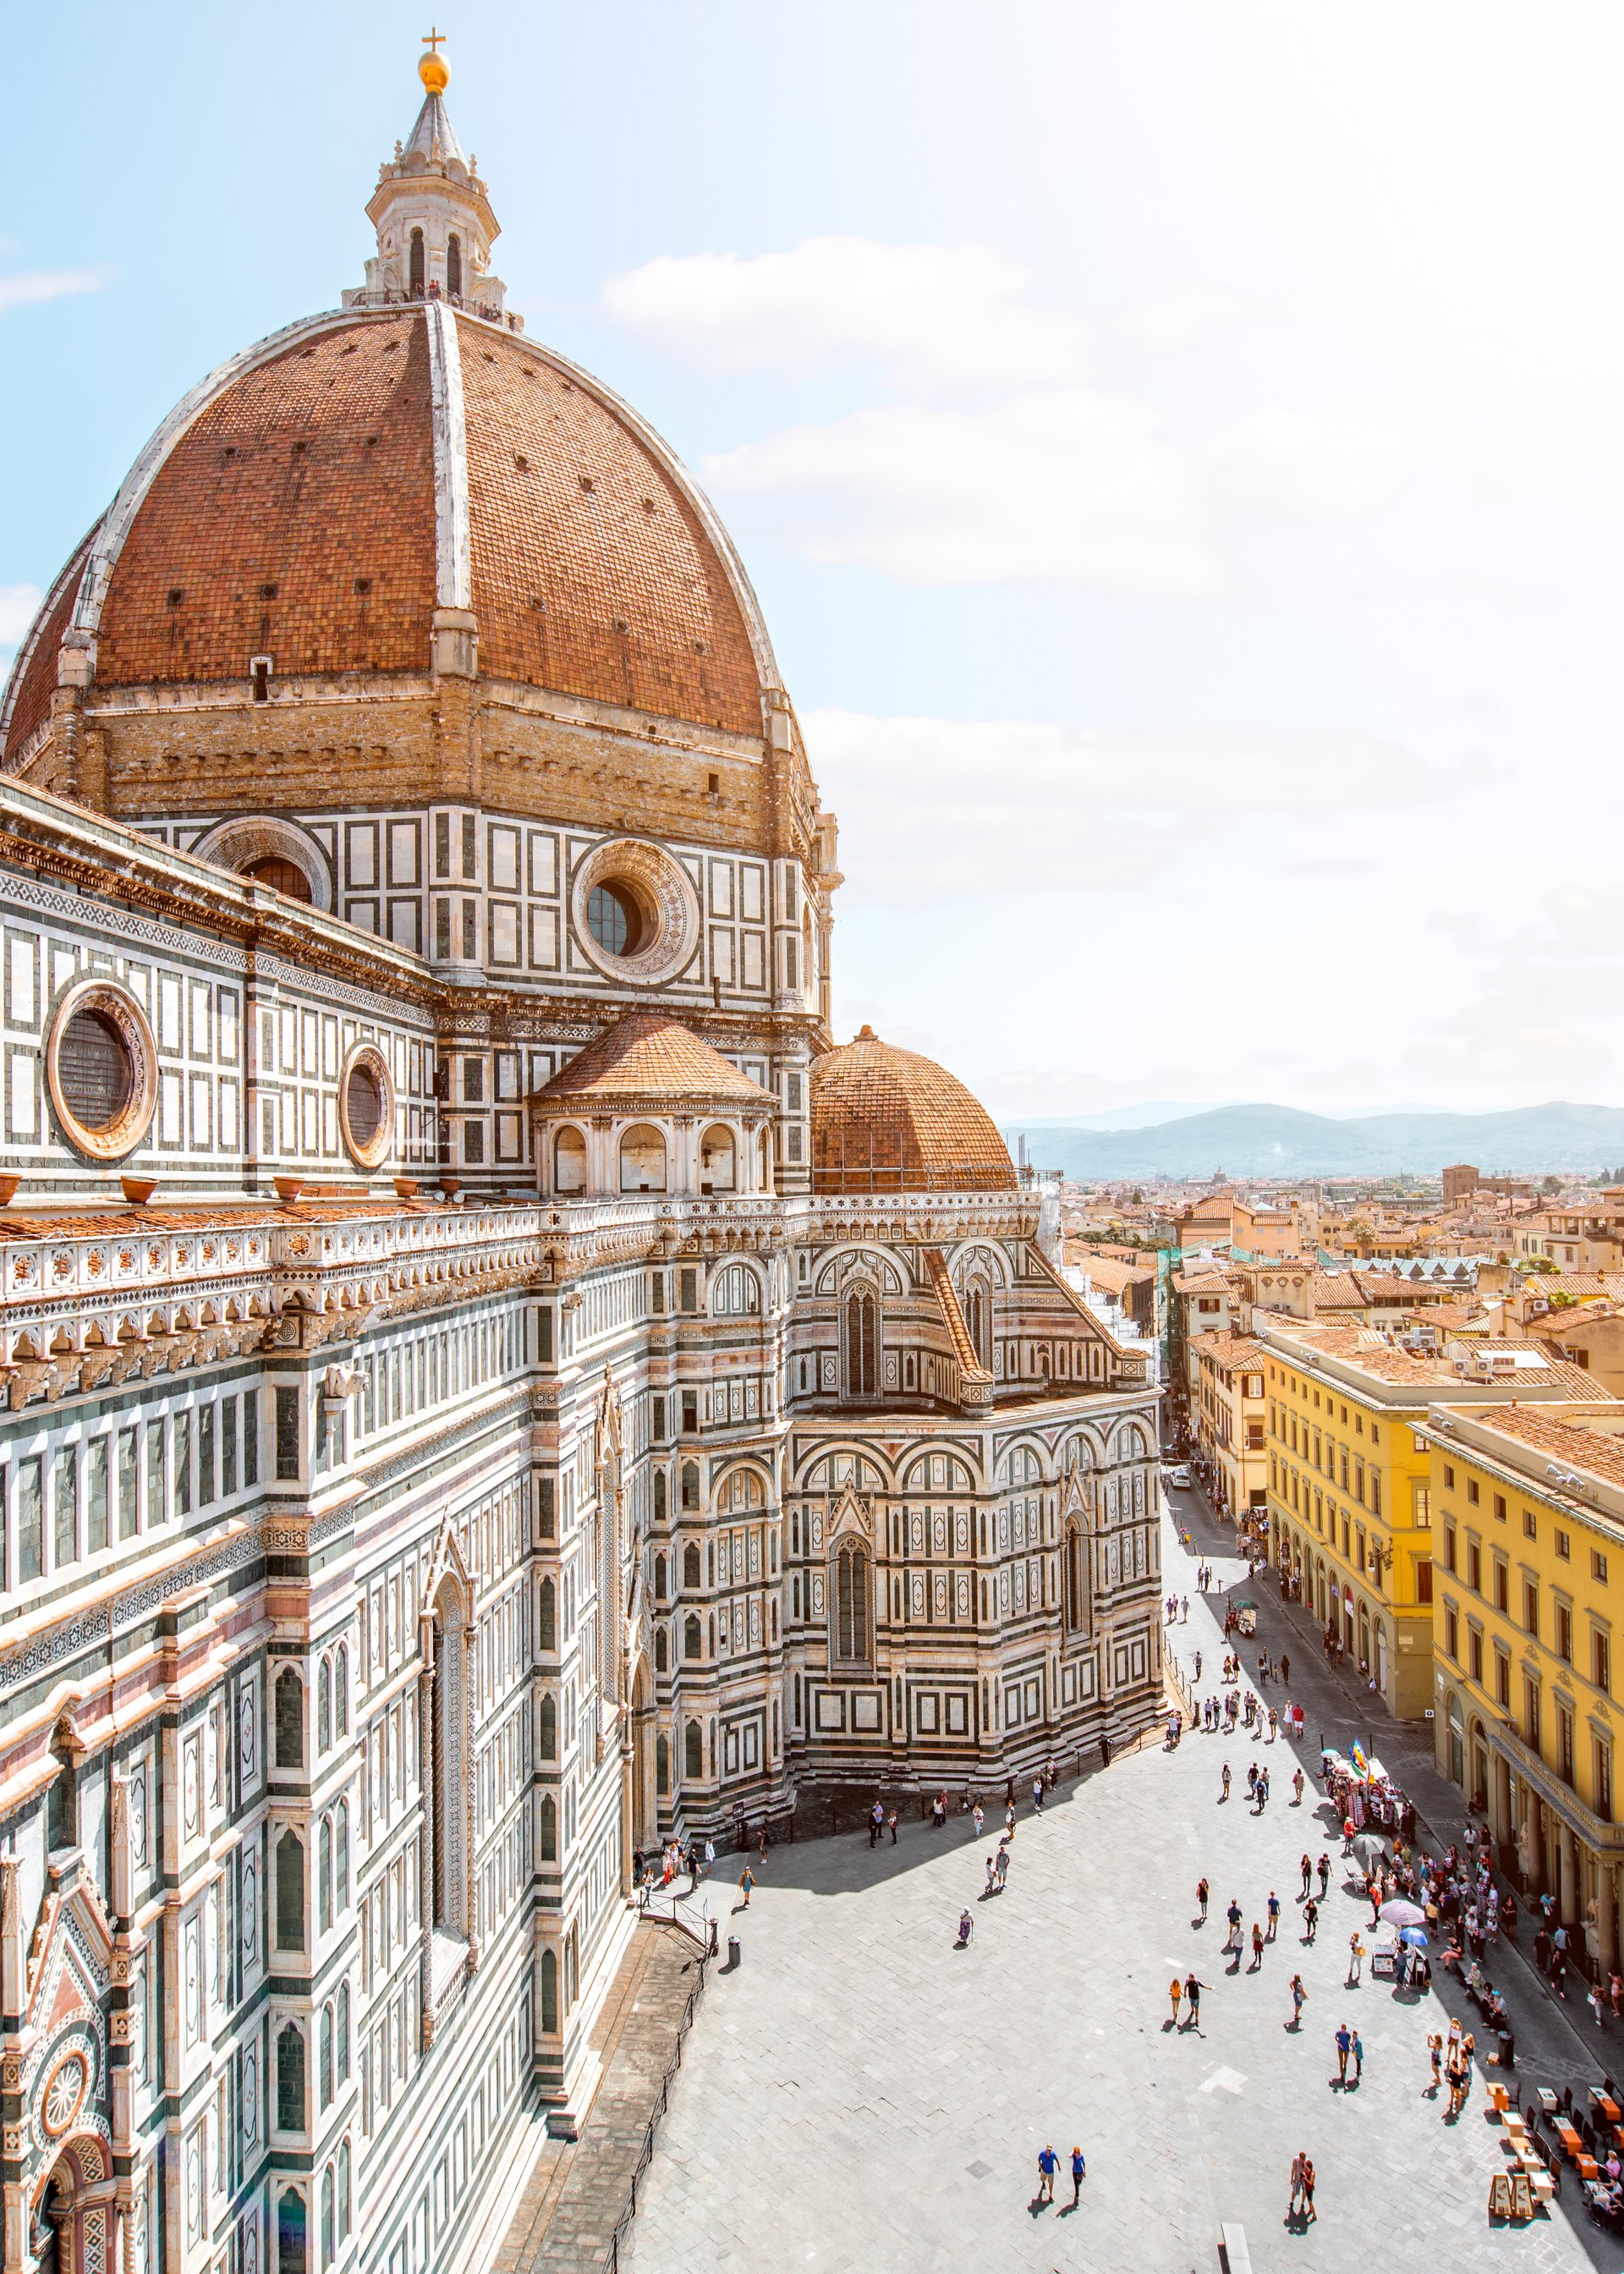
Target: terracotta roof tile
(309, 476)
(647, 1060)
(1579, 1442)
(592, 572)
(886, 1120)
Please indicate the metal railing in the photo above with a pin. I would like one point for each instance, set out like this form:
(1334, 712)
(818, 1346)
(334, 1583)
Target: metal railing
(611, 2262)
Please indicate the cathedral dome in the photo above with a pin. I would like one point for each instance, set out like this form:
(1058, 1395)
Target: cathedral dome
(401, 488)
(315, 504)
(885, 1120)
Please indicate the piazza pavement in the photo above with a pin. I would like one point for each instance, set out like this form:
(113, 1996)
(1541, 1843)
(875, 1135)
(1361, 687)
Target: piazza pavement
(858, 2093)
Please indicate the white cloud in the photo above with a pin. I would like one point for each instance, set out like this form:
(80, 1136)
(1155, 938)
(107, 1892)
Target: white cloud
(938, 806)
(19, 605)
(1287, 464)
(1176, 320)
(48, 284)
(938, 318)
(1080, 487)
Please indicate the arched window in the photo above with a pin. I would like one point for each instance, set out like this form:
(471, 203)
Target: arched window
(324, 2068)
(660, 1579)
(340, 1841)
(659, 1496)
(343, 2187)
(290, 1892)
(290, 1720)
(735, 1293)
(340, 1691)
(549, 1729)
(325, 1912)
(691, 1568)
(329, 2225)
(690, 1484)
(290, 2079)
(862, 1344)
(1074, 1578)
(324, 1707)
(717, 1160)
(549, 1617)
(643, 1160)
(343, 2038)
(549, 1829)
(290, 2232)
(549, 1991)
(661, 1665)
(454, 265)
(569, 1162)
(415, 268)
(851, 1603)
(662, 1765)
(447, 1766)
(692, 1646)
(694, 1750)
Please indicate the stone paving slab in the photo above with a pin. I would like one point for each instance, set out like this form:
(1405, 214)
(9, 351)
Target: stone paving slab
(566, 2220)
(861, 2093)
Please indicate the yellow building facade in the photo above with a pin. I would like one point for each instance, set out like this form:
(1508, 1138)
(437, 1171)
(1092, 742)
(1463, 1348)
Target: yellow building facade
(1529, 1516)
(1230, 1413)
(1350, 1480)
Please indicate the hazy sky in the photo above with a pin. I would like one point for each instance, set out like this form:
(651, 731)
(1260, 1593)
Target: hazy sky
(1179, 448)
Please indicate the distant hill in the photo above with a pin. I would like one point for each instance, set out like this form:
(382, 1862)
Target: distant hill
(1276, 1140)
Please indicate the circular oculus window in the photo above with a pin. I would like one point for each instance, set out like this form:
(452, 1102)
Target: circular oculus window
(102, 1069)
(366, 1106)
(637, 914)
(64, 2093)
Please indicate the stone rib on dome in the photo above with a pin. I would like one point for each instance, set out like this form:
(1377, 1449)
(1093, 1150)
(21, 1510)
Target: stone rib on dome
(887, 1120)
(646, 1062)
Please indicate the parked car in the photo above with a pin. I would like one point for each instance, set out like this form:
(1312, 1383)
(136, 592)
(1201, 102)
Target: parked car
(1178, 1477)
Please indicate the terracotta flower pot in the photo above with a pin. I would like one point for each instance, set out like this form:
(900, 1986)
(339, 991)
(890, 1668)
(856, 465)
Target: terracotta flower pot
(289, 1188)
(406, 1189)
(8, 1189)
(138, 1190)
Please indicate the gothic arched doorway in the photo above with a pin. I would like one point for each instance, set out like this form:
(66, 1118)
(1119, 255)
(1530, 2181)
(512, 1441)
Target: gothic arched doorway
(71, 2222)
(645, 1800)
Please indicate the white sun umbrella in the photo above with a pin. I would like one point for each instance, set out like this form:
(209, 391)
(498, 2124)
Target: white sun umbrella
(1402, 1913)
(1370, 1848)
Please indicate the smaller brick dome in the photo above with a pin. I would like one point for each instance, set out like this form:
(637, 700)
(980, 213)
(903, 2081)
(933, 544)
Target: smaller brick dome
(885, 1120)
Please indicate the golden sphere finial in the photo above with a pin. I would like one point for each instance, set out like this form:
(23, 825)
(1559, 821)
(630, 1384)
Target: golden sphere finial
(432, 69)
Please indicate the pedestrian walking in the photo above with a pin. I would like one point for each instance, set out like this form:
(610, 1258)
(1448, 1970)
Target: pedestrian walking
(1225, 1794)
(966, 1927)
(1201, 1896)
(1175, 1990)
(1435, 2054)
(1311, 1918)
(1308, 1880)
(1355, 1960)
(1257, 1945)
(1324, 1873)
(1344, 2046)
(1232, 1941)
(747, 1881)
(976, 1818)
(1309, 2212)
(1296, 1789)
(1299, 1998)
(1358, 2057)
(1003, 1864)
(1297, 2161)
(891, 1822)
(1273, 1915)
(1285, 1668)
(1079, 2172)
(1194, 1987)
(1048, 2163)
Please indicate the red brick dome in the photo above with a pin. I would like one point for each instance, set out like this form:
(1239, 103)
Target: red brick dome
(885, 1120)
(317, 499)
